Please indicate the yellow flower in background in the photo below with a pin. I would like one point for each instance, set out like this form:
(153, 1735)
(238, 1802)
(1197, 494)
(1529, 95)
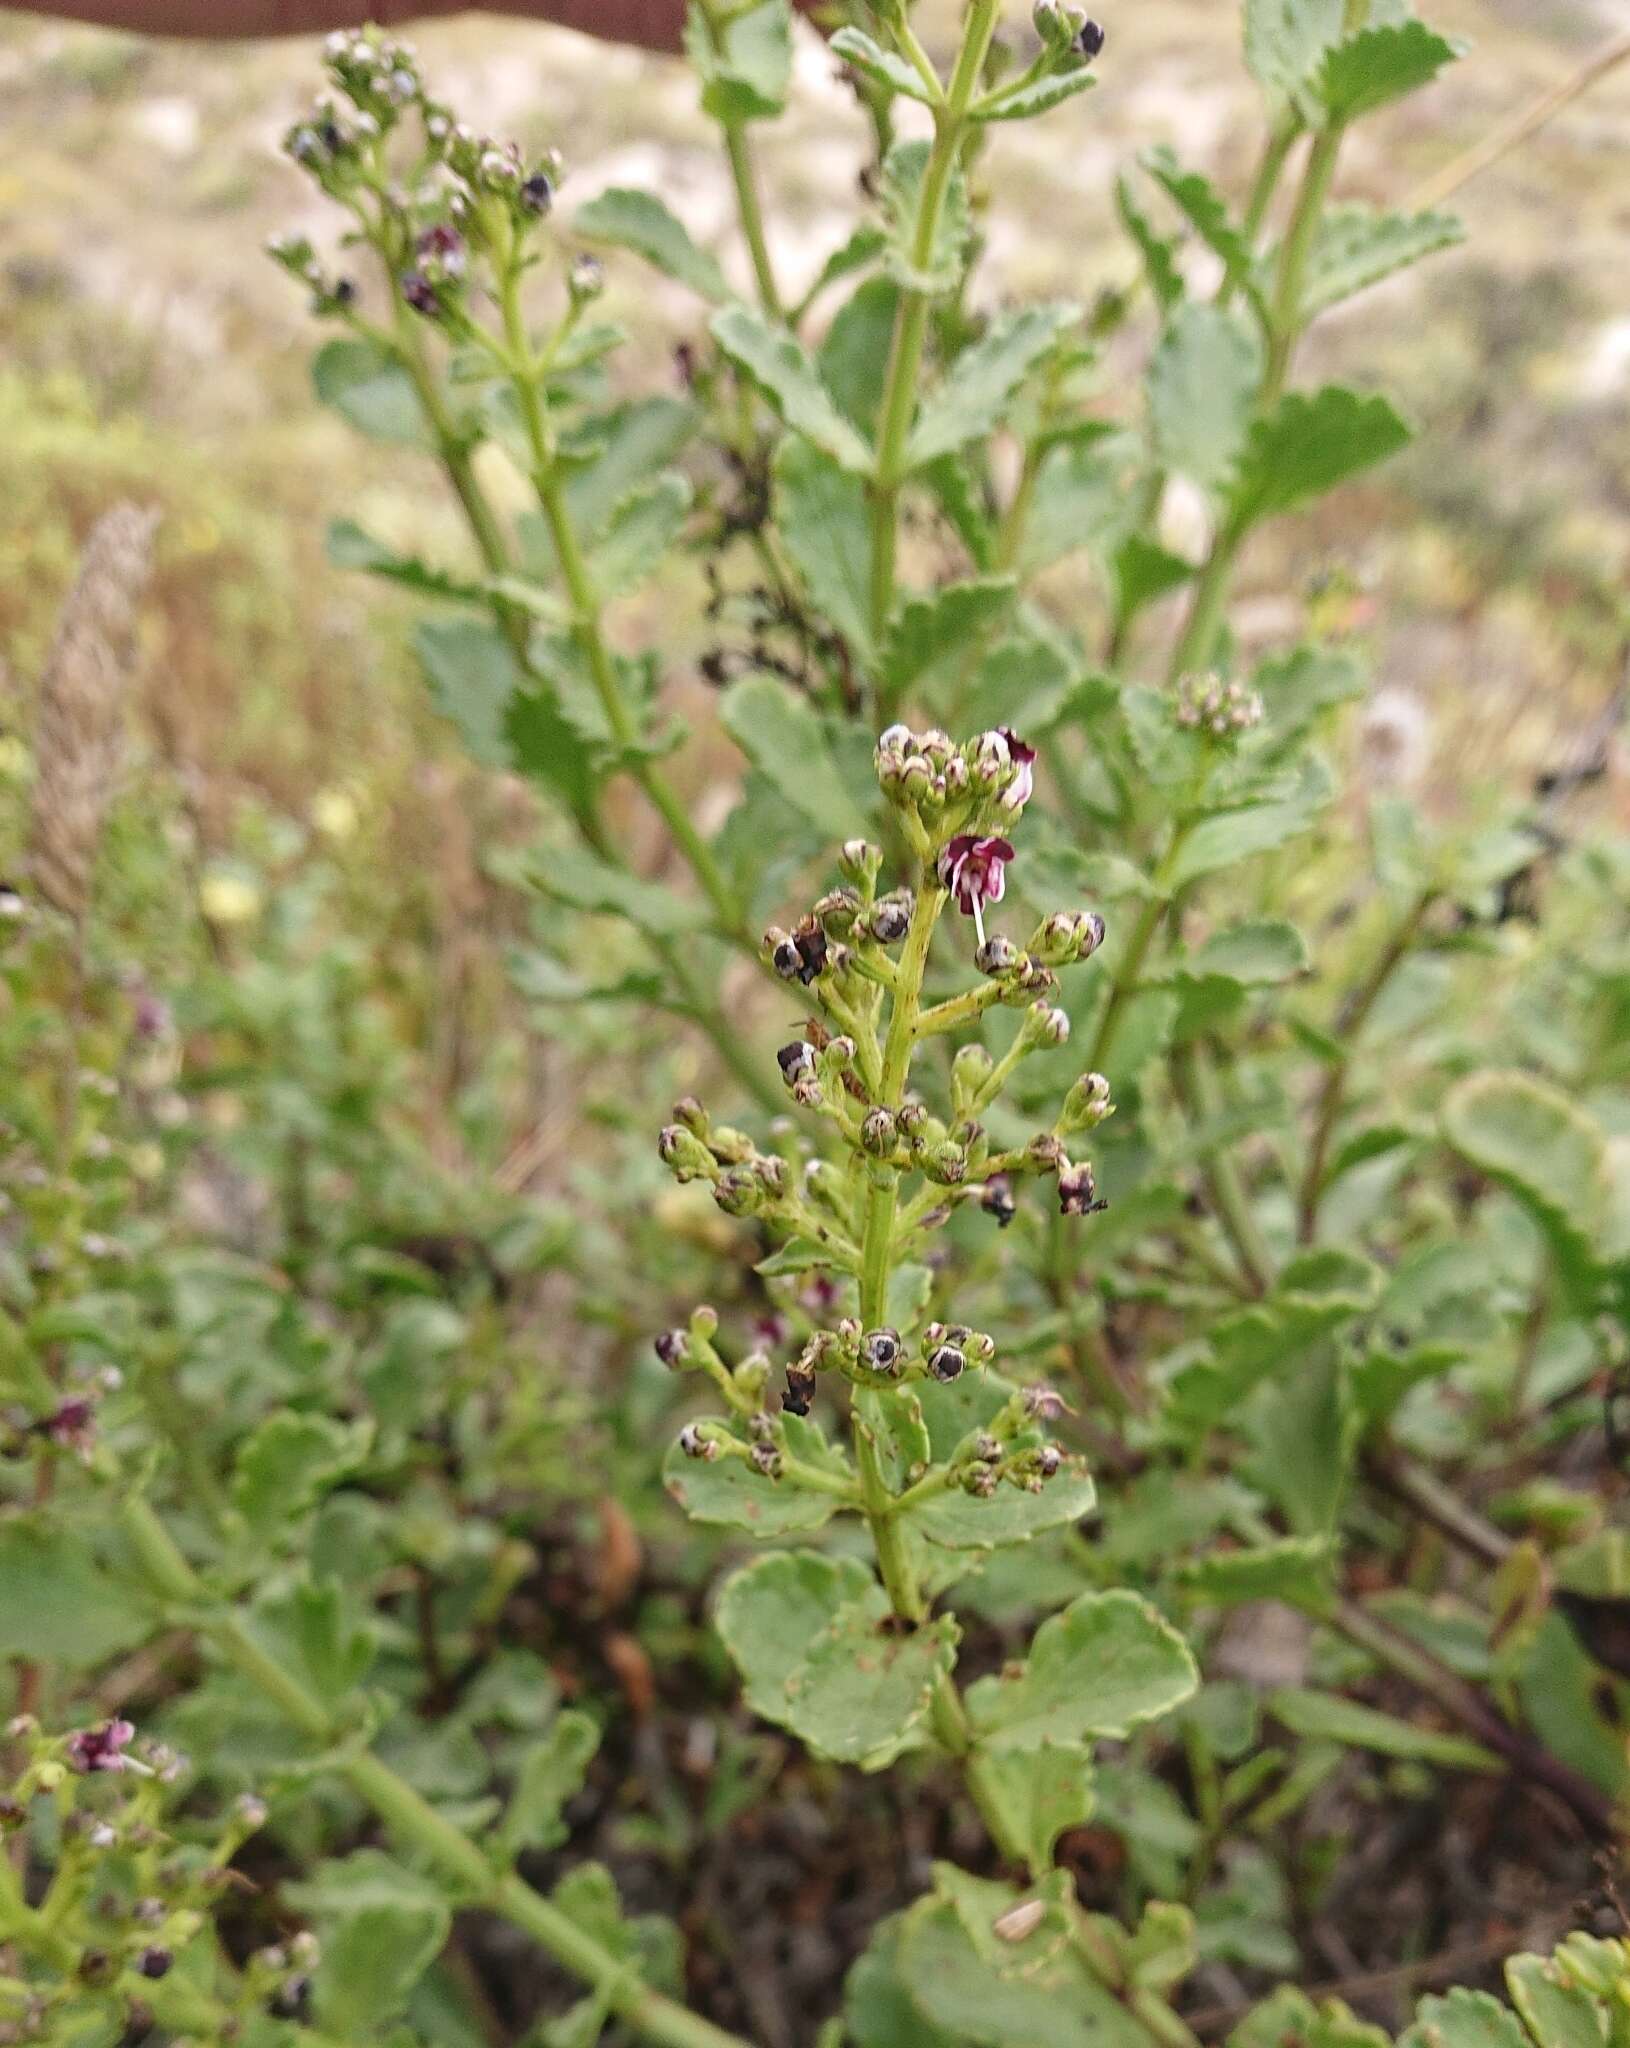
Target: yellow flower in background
(228, 898)
(336, 814)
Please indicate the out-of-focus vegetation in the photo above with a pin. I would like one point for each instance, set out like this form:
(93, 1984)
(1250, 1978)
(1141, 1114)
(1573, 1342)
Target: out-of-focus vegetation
(367, 1682)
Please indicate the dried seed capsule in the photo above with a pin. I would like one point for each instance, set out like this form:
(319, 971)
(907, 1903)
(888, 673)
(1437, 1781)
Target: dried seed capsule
(695, 1445)
(997, 1200)
(799, 1397)
(880, 1349)
(796, 1061)
(946, 1363)
(1078, 1192)
(879, 1134)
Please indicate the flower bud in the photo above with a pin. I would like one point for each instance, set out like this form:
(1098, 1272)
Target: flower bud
(587, 280)
(989, 760)
(753, 1374)
(1046, 1026)
(1091, 39)
(860, 861)
(981, 1482)
(767, 1459)
(1087, 1105)
(685, 1154)
(970, 1070)
(1049, 1460)
(537, 194)
(986, 1449)
(879, 1134)
(945, 1164)
(673, 1348)
(249, 1812)
(912, 1116)
(997, 956)
(154, 1963)
(947, 1362)
(880, 1350)
(695, 1445)
(739, 1192)
(838, 909)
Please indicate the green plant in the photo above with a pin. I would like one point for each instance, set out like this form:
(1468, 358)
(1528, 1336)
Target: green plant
(1326, 1322)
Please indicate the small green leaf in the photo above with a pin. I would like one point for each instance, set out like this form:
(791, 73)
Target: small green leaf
(366, 383)
(784, 372)
(1465, 2019)
(746, 72)
(782, 735)
(1032, 1796)
(58, 1601)
(1078, 499)
(1296, 1569)
(573, 875)
(863, 1686)
(979, 386)
(552, 1773)
(285, 1467)
(1040, 96)
(1107, 1663)
(1310, 443)
(882, 67)
(854, 356)
(946, 626)
(1357, 246)
(319, 1632)
(731, 1494)
(642, 529)
(502, 717)
(1202, 205)
(350, 547)
(1159, 252)
(1202, 387)
(1537, 1143)
(797, 1255)
(1260, 953)
(1287, 40)
(770, 1613)
(1329, 1717)
(382, 1926)
(1381, 64)
(1228, 837)
(940, 270)
(825, 527)
(1558, 2014)
(639, 221)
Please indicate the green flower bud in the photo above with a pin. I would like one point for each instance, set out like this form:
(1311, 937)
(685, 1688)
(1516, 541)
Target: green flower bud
(1087, 1105)
(879, 1134)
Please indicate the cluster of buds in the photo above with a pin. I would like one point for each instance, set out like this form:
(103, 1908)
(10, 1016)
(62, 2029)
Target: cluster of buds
(127, 1895)
(68, 1423)
(988, 779)
(296, 255)
(1215, 709)
(1067, 31)
(466, 193)
(1012, 1449)
(745, 1181)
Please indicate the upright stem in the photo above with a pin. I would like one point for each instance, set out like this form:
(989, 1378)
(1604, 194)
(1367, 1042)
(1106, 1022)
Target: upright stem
(460, 1860)
(588, 620)
(1229, 1202)
(1333, 1089)
(746, 183)
(911, 321)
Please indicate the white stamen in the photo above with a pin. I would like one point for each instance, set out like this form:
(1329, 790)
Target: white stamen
(979, 919)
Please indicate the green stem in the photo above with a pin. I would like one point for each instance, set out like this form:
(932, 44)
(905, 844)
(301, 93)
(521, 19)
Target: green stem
(1230, 1203)
(588, 620)
(1349, 1023)
(911, 321)
(752, 219)
(459, 1860)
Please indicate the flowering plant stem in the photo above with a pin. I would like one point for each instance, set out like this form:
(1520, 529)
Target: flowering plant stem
(911, 320)
(410, 1817)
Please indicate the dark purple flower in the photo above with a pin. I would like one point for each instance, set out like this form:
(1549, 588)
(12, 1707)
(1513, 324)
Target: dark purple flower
(443, 244)
(1078, 1192)
(420, 293)
(101, 1748)
(771, 1330)
(997, 1200)
(1020, 790)
(72, 1424)
(799, 1397)
(975, 872)
(1091, 39)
